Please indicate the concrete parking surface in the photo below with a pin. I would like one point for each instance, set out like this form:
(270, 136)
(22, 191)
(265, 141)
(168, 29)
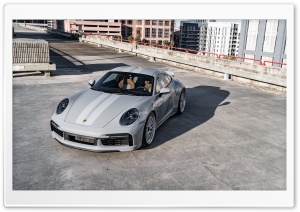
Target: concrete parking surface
(231, 137)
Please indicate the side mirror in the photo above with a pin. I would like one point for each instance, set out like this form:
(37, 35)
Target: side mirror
(224, 103)
(92, 82)
(164, 91)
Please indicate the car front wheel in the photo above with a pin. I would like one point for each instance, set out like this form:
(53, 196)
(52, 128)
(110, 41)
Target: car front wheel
(181, 103)
(149, 130)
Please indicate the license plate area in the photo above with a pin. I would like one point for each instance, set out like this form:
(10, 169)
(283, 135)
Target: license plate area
(80, 139)
(84, 139)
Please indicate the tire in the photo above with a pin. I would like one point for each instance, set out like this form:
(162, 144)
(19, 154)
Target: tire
(181, 102)
(149, 130)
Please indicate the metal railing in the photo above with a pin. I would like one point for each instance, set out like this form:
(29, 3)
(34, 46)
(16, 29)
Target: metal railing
(218, 56)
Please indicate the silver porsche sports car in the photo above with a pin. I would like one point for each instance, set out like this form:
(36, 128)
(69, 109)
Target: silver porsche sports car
(120, 112)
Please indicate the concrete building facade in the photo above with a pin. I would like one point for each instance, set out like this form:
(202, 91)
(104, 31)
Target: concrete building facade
(105, 27)
(150, 31)
(264, 40)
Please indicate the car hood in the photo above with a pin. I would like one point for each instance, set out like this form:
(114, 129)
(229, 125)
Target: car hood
(97, 109)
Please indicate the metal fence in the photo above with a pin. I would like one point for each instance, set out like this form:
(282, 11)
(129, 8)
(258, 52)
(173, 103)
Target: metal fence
(219, 56)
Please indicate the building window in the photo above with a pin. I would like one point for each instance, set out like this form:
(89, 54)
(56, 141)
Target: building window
(154, 22)
(138, 31)
(249, 56)
(153, 32)
(167, 23)
(252, 35)
(139, 22)
(159, 42)
(129, 21)
(147, 22)
(160, 31)
(160, 23)
(166, 35)
(123, 21)
(147, 33)
(270, 35)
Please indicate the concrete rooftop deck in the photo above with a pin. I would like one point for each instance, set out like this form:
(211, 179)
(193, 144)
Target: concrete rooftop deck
(231, 137)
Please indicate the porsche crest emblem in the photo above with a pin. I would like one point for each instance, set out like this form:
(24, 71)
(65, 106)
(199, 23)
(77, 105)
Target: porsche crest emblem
(84, 120)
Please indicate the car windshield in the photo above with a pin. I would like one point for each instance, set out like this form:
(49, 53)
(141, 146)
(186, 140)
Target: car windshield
(125, 83)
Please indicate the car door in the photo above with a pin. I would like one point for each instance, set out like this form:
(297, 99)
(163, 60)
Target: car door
(162, 102)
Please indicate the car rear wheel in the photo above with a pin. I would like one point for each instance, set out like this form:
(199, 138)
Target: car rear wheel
(182, 101)
(149, 130)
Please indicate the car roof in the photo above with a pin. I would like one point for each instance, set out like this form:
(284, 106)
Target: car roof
(138, 70)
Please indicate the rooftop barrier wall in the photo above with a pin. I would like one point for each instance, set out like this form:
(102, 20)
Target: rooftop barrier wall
(268, 77)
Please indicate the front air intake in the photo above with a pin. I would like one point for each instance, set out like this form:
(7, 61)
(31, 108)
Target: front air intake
(54, 128)
(117, 140)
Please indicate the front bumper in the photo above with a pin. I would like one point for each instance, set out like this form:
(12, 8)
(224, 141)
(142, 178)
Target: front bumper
(97, 140)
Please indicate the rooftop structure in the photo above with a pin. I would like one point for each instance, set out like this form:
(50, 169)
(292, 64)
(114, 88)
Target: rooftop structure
(264, 40)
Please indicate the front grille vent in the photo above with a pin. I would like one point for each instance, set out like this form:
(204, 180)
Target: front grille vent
(57, 131)
(117, 140)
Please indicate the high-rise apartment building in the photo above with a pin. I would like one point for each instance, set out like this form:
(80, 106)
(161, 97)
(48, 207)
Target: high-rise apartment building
(220, 38)
(210, 36)
(189, 35)
(263, 40)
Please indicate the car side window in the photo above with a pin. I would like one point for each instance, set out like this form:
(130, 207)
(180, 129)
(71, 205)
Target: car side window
(111, 77)
(163, 80)
(168, 79)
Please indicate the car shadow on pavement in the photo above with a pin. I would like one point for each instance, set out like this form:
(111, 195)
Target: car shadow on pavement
(201, 104)
(73, 66)
(87, 69)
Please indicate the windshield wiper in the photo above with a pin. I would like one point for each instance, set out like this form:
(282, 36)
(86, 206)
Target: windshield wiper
(116, 90)
(108, 90)
(127, 92)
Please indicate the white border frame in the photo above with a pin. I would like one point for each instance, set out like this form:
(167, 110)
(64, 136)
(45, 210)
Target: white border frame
(147, 198)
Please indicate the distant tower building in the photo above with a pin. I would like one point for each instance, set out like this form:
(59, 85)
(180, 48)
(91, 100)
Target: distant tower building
(210, 36)
(220, 38)
(264, 40)
(50, 24)
(201, 21)
(189, 34)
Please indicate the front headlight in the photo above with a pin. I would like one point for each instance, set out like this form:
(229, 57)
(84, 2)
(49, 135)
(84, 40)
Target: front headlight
(130, 116)
(62, 106)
